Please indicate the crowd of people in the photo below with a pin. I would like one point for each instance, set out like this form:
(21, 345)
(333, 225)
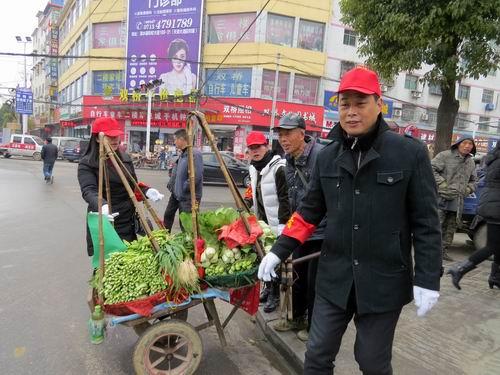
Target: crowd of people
(379, 211)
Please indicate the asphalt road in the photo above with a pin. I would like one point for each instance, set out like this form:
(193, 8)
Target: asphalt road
(44, 271)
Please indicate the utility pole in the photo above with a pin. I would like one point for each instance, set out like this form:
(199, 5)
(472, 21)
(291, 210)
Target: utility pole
(150, 91)
(275, 94)
(24, 116)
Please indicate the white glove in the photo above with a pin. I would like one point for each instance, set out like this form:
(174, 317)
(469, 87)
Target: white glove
(105, 212)
(425, 299)
(267, 266)
(154, 195)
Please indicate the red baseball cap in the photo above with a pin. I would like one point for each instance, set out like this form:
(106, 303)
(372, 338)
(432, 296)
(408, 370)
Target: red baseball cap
(360, 79)
(108, 125)
(256, 138)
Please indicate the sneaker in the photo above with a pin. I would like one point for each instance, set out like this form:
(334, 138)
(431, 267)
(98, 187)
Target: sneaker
(272, 303)
(288, 325)
(303, 335)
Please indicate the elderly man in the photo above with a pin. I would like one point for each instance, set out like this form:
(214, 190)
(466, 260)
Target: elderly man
(379, 196)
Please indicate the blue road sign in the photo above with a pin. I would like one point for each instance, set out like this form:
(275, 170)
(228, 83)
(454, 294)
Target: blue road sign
(24, 101)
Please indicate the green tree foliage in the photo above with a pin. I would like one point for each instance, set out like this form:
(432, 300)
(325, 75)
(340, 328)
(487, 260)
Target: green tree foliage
(456, 38)
(7, 114)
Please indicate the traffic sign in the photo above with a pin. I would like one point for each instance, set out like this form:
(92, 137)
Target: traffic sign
(24, 101)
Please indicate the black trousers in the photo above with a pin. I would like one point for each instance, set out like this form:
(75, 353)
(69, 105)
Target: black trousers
(304, 286)
(172, 206)
(492, 246)
(374, 337)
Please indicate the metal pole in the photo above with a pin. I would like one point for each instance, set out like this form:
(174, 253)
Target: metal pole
(148, 122)
(25, 117)
(275, 94)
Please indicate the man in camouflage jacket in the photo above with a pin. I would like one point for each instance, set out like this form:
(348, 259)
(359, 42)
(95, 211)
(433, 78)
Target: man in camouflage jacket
(455, 174)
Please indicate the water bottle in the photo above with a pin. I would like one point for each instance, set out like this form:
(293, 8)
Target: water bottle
(97, 325)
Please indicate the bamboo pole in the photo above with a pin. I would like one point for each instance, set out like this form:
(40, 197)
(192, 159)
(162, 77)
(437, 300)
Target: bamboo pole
(192, 181)
(240, 204)
(99, 204)
(138, 207)
(108, 188)
(136, 186)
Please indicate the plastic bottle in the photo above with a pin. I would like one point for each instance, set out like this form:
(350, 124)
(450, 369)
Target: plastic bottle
(97, 325)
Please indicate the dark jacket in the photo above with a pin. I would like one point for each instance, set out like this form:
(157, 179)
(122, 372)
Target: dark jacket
(489, 201)
(49, 153)
(375, 213)
(181, 182)
(88, 174)
(304, 165)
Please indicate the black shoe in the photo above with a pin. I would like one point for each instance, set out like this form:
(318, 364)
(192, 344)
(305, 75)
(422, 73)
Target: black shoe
(273, 300)
(264, 294)
(459, 271)
(494, 279)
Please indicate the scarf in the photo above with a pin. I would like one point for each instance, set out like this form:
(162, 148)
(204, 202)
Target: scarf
(260, 164)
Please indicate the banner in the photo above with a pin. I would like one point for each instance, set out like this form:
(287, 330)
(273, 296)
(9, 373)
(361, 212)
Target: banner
(164, 41)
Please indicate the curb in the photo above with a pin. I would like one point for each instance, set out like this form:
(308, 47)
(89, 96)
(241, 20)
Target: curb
(286, 343)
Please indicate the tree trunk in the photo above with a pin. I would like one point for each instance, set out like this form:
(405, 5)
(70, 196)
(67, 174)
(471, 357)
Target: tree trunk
(446, 115)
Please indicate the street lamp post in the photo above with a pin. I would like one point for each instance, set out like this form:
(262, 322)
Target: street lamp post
(27, 40)
(150, 89)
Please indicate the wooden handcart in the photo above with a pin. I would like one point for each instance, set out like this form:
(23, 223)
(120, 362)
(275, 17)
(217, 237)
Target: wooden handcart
(167, 343)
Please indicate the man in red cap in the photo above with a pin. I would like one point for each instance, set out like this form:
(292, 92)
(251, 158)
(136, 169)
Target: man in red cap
(379, 196)
(269, 197)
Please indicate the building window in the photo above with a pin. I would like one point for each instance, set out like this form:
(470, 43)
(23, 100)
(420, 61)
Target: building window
(408, 113)
(311, 35)
(85, 42)
(85, 85)
(107, 35)
(345, 66)
(267, 89)
(492, 72)
(483, 124)
(105, 80)
(462, 121)
(411, 82)
(463, 92)
(350, 37)
(305, 89)
(228, 28)
(279, 30)
(487, 96)
(434, 89)
(432, 115)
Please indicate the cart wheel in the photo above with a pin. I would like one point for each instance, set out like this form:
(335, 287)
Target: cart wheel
(169, 348)
(181, 315)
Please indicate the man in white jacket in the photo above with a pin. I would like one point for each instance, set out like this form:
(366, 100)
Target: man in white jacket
(269, 194)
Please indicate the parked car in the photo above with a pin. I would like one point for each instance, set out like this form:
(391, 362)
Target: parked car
(23, 145)
(65, 142)
(212, 172)
(74, 151)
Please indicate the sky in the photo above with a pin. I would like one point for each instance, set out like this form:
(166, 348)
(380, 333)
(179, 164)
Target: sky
(17, 17)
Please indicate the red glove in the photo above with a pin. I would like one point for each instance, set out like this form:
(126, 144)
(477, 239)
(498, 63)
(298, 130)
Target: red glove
(139, 194)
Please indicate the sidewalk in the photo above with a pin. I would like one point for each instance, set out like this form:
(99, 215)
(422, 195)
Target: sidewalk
(461, 335)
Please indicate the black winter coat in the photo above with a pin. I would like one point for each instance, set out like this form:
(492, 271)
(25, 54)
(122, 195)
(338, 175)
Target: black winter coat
(88, 174)
(374, 214)
(489, 201)
(49, 153)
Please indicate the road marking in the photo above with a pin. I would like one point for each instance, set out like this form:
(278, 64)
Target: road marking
(8, 266)
(19, 351)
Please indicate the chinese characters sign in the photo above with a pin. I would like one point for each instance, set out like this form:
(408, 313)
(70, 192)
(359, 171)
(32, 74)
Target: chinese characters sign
(311, 35)
(108, 35)
(235, 83)
(305, 89)
(331, 104)
(268, 85)
(228, 28)
(164, 39)
(279, 30)
(107, 82)
(24, 101)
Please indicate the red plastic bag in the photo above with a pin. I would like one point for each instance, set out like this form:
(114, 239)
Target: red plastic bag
(200, 247)
(235, 234)
(247, 297)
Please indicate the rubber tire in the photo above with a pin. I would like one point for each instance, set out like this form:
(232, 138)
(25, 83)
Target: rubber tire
(480, 236)
(159, 329)
(37, 156)
(6, 156)
(246, 181)
(181, 315)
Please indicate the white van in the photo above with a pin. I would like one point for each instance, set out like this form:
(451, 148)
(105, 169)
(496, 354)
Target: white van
(23, 145)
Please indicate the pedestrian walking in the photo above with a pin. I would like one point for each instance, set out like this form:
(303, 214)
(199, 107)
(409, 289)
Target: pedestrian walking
(301, 151)
(379, 196)
(49, 157)
(489, 209)
(178, 184)
(163, 158)
(269, 198)
(455, 174)
(122, 208)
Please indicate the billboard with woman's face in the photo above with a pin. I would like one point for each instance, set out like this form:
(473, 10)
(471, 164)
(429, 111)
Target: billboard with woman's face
(164, 41)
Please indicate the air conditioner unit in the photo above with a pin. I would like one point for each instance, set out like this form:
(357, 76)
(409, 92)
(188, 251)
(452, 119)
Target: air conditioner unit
(489, 107)
(425, 117)
(397, 112)
(416, 94)
(383, 88)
